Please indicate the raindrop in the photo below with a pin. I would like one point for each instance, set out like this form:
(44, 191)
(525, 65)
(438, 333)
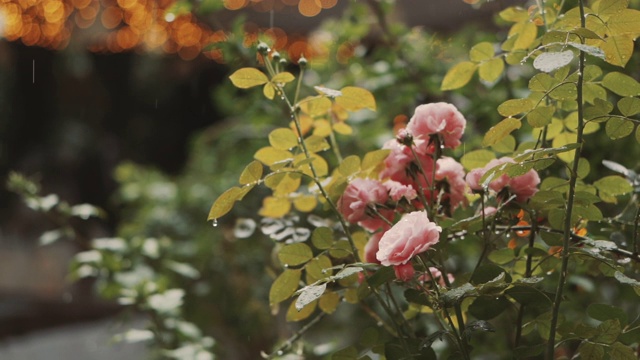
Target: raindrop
(214, 222)
(286, 266)
(280, 353)
(244, 228)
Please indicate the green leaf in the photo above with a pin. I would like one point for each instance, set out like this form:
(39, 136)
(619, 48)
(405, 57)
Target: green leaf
(499, 131)
(625, 22)
(488, 307)
(294, 314)
(621, 84)
(481, 52)
(591, 351)
(638, 134)
(224, 203)
(562, 140)
(329, 302)
(618, 128)
(251, 173)
(350, 353)
(284, 286)
(476, 158)
(608, 331)
(283, 139)
(322, 238)
(613, 185)
(604, 312)
(526, 36)
(295, 254)
(540, 116)
(629, 106)
(319, 268)
(564, 92)
(491, 70)
(248, 77)
(528, 295)
(455, 295)
(619, 351)
(355, 98)
(459, 75)
(542, 83)
(506, 145)
(283, 78)
(271, 156)
(515, 106)
(618, 49)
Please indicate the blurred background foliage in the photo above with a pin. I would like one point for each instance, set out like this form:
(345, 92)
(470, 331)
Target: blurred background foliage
(124, 151)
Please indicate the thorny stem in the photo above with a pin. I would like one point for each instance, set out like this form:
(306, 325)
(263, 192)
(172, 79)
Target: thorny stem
(570, 201)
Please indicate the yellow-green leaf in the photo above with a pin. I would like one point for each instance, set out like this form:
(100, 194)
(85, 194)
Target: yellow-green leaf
(305, 203)
(319, 163)
(618, 128)
(540, 116)
(315, 106)
(459, 75)
(251, 173)
(283, 183)
(514, 14)
(283, 78)
(625, 22)
(271, 156)
(476, 158)
(500, 130)
(515, 106)
(321, 128)
(605, 8)
(481, 52)
(561, 140)
(283, 139)
(491, 70)
(269, 91)
(294, 315)
(342, 128)
(629, 106)
(527, 34)
(224, 203)
(618, 49)
(356, 98)
(322, 238)
(506, 145)
(621, 84)
(284, 286)
(318, 268)
(329, 302)
(248, 77)
(316, 143)
(350, 165)
(275, 207)
(295, 254)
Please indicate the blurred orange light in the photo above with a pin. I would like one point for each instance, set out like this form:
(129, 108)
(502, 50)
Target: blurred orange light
(309, 8)
(111, 17)
(126, 4)
(327, 4)
(235, 4)
(80, 4)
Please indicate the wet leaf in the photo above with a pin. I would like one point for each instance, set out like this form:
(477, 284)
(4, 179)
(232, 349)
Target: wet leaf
(283, 78)
(499, 131)
(283, 139)
(318, 268)
(459, 75)
(618, 49)
(540, 116)
(251, 173)
(295, 254)
(284, 286)
(322, 238)
(248, 77)
(355, 98)
(550, 61)
(481, 52)
(591, 351)
(224, 203)
(294, 315)
(629, 106)
(515, 107)
(621, 84)
(613, 185)
(308, 294)
(618, 128)
(491, 70)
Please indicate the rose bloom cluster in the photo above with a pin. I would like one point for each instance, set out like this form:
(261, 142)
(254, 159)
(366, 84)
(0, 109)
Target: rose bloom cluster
(416, 178)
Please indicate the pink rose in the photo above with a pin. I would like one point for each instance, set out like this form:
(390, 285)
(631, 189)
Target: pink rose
(490, 211)
(442, 119)
(396, 162)
(398, 191)
(404, 272)
(359, 194)
(452, 172)
(412, 235)
(525, 185)
(371, 248)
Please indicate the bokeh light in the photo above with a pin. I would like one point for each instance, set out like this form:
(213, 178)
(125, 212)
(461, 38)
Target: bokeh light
(144, 25)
